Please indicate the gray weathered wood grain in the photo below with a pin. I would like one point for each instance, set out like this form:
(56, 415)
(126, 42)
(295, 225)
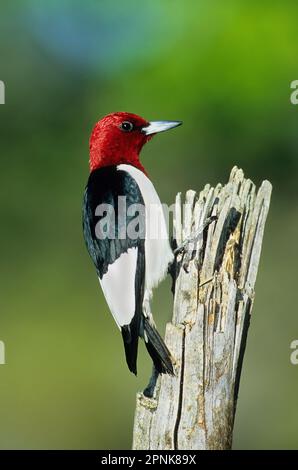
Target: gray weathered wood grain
(213, 298)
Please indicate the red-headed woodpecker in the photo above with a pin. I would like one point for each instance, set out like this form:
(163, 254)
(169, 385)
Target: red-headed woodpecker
(128, 266)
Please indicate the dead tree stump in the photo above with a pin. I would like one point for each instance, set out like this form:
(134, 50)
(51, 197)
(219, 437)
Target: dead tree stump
(213, 298)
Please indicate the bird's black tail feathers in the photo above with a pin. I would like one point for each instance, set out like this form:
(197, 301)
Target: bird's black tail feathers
(130, 335)
(157, 349)
(131, 332)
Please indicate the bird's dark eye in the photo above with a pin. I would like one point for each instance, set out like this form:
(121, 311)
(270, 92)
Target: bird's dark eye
(126, 126)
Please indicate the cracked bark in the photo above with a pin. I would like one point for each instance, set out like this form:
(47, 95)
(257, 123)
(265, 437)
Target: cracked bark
(213, 300)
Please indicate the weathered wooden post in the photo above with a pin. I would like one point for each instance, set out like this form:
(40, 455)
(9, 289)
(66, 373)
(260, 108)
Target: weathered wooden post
(213, 298)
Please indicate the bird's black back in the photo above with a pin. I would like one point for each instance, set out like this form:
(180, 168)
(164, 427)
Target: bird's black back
(104, 186)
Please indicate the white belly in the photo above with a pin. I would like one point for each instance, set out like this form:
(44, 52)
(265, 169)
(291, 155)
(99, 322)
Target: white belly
(158, 252)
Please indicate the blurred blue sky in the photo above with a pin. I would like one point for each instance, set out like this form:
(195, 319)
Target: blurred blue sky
(102, 37)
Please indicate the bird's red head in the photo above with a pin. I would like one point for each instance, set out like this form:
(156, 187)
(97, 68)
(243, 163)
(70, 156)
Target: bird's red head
(119, 137)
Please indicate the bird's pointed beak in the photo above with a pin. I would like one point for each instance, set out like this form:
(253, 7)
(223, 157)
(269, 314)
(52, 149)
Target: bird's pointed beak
(160, 126)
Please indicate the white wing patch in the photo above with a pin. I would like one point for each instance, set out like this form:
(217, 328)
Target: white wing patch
(118, 285)
(158, 252)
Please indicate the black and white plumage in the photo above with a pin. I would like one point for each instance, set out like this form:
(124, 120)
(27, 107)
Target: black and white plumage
(128, 269)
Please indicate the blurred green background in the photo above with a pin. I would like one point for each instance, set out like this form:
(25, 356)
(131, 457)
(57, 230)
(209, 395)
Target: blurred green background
(225, 69)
